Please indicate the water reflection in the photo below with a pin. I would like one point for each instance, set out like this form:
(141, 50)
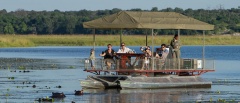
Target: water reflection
(144, 95)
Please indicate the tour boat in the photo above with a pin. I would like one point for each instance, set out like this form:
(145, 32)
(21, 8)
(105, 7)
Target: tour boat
(131, 70)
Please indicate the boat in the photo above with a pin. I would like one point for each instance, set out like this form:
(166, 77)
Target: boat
(136, 77)
(156, 73)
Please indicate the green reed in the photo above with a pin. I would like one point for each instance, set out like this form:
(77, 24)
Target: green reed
(103, 40)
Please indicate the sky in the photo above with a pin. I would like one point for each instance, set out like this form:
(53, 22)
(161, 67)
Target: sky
(76, 5)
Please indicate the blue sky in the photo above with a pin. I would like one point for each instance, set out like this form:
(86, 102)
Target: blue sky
(75, 5)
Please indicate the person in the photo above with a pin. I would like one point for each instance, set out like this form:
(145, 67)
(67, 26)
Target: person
(163, 54)
(92, 58)
(108, 56)
(147, 52)
(124, 49)
(175, 46)
(175, 49)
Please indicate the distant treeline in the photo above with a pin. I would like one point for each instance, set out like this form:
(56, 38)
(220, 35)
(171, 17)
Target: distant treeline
(70, 22)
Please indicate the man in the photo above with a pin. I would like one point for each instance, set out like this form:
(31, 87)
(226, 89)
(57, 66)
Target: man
(175, 47)
(124, 49)
(108, 56)
(163, 55)
(164, 52)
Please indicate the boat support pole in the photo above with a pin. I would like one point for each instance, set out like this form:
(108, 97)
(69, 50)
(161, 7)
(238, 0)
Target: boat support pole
(203, 54)
(152, 52)
(179, 42)
(121, 37)
(146, 37)
(94, 39)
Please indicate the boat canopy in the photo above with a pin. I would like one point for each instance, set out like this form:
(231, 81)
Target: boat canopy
(147, 20)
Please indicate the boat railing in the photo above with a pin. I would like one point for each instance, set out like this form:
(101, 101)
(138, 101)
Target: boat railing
(151, 64)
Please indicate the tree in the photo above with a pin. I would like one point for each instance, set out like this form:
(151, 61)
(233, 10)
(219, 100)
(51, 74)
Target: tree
(4, 11)
(115, 10)
(8, 29)
(167, 10)
(154, 9)
(136, 9)
(70, 24)
(23, 28)
(178, 10)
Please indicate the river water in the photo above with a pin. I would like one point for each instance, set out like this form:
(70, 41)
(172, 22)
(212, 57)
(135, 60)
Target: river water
(57, 69)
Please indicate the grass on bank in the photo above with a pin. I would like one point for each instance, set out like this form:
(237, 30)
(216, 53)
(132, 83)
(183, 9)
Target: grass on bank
(103, 40)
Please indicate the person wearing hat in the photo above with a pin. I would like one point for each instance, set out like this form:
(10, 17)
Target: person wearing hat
(92, 58)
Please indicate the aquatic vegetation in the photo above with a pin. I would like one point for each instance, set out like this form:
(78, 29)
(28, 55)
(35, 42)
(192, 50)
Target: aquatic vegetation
(102, 40)
(211, 99)
(22, 67)
(45, 99)
(71, 67)
(221, 100)
(11, 78)
(53, 66)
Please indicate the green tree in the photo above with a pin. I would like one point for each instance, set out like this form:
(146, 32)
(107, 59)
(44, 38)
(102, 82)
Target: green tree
(8, 29)
(154, 9)
(23, 28)
(70, 24)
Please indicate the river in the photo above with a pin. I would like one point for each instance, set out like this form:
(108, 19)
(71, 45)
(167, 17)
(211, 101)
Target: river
(57, 69)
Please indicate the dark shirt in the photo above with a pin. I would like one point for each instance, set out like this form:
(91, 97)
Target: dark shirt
(109, 55)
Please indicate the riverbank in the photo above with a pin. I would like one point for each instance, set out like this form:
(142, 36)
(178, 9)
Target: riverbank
(102, 40)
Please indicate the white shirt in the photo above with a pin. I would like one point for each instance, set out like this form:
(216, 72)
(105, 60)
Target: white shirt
(165, 53)
(126, 50)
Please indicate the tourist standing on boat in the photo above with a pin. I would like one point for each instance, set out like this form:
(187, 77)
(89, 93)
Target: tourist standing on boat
(175, 48)
(148, 53)
(175, 45)
(92, 58)
(108, 56)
